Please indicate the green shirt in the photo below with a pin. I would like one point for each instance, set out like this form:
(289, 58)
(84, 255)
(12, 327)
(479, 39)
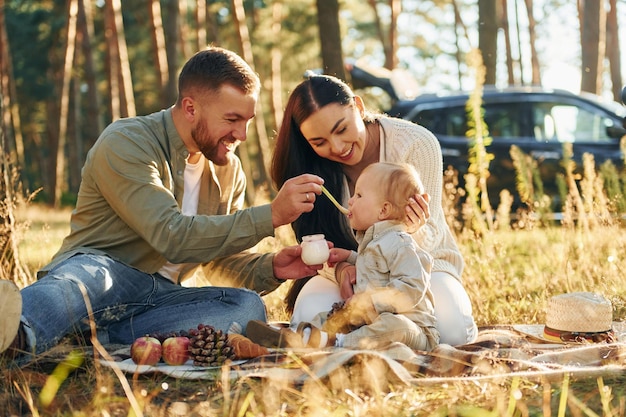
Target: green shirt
(129, 203)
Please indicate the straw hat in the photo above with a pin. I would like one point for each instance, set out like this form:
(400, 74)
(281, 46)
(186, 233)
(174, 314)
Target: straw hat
(579, 317)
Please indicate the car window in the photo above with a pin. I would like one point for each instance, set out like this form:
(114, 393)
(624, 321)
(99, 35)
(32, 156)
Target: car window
(569, 123)
(504, 120)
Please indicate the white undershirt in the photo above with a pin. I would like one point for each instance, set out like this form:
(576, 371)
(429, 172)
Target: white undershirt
(191, 194)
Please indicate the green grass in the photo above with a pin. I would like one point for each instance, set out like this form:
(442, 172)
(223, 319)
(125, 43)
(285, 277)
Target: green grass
(510, 275)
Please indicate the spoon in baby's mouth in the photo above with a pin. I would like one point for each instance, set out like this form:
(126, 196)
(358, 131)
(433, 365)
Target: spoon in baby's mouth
(335, 202)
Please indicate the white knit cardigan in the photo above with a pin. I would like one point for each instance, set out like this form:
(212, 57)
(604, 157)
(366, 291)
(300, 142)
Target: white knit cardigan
(406, 142)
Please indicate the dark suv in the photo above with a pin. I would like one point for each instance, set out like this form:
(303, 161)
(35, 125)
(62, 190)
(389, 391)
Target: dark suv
(538, 121)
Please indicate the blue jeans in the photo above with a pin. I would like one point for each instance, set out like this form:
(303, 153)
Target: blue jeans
(126, 303)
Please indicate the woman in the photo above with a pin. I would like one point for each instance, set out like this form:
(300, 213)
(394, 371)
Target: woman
(327, 131)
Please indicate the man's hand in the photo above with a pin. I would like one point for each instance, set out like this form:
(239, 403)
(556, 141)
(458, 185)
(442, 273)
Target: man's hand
(417, 212)
(296, 196)
(288, 264)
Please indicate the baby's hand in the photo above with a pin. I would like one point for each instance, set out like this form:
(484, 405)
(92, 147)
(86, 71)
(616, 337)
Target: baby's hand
(337, 255)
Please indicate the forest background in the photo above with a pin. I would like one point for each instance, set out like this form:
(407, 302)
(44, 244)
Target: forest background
(70, 67)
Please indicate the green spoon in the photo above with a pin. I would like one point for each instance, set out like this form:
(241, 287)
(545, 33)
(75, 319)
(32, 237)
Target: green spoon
(335, 202)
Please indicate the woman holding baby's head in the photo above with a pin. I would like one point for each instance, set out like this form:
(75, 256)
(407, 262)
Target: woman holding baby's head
(328, 131)
(382, 192)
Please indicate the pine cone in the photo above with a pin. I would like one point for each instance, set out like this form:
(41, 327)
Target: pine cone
(336, 307)
(209, 347)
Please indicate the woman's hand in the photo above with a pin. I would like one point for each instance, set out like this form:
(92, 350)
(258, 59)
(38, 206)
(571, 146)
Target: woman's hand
(345, 273)
(417, 212)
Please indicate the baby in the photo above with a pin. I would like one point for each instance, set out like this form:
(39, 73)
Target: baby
(392, 301)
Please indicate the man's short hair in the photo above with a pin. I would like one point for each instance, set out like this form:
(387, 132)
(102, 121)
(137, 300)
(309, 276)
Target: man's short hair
(213, 67)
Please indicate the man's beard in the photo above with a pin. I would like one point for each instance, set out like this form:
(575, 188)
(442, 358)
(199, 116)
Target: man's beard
(210, 149)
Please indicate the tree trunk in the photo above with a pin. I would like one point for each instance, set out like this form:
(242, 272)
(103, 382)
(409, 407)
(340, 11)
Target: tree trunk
(459, 25)
(113, 61)
(592, 44)
(520, 60)
(504, 23)
(379, 29)
(10, 122)
(170, 26)
(94, 115)
(534, 60)
(160, 53)
(276, 58)
(613, 51)
(391, 56)
(330, 37)
(213, 34)
(75, 134)
(184, 33)
(59, 184)
(264, 151)
(126, 80)
(201, 23)
(488, 37)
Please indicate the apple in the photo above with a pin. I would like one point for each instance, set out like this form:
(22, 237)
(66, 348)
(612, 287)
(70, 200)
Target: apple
(146, 350)
(176, 350)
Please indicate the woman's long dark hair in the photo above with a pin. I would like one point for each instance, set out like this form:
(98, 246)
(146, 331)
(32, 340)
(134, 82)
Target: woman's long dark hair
(293, 156)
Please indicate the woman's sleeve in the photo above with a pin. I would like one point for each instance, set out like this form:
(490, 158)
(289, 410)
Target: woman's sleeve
(424, 153)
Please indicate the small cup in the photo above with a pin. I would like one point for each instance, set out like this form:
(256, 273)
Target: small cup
(314, 249)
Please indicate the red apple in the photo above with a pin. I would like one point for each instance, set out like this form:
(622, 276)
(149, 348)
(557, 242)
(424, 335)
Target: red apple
(176, 350)
(146, 350)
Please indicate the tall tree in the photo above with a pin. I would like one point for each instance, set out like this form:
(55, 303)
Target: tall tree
(389, 40)
(330, 37)
(170, 26)
(113, 62)
(488, 37)
(245, 44)
(201, 23)
(159, 50)
(276, 58)
(593, 18)
(126, 80)
(59, 181)
(10, 123)
(504, 23)
(184, 30)
(534, 59)
(613, 51)
(459, 24)
(92, 104)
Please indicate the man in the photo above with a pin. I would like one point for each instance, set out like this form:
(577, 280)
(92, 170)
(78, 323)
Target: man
(160, 195)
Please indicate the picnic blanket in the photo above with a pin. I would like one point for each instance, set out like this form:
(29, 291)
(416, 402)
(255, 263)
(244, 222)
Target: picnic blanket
(499, 352)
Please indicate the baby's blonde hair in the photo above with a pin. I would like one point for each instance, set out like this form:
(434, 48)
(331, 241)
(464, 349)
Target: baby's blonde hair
(398, 182)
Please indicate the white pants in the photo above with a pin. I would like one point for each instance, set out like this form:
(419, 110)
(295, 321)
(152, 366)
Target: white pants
(453, 309)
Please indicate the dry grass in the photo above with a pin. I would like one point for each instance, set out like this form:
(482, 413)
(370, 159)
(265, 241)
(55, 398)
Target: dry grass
(509, 275)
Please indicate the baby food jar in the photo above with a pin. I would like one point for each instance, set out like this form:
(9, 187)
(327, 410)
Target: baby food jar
(314, 249)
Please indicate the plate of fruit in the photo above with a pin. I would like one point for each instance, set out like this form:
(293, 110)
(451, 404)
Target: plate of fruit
(181, 353)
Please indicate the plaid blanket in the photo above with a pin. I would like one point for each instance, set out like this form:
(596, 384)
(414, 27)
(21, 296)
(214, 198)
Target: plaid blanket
(499, 351)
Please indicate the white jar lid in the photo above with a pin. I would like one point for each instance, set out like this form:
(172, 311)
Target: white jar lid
(311, 238)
